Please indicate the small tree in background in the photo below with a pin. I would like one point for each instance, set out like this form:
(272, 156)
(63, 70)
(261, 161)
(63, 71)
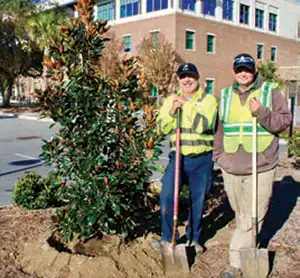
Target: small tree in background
(103, 153)
(159, 62)
(19, 56)
(43, 28)
(111, 58)
(268, 70)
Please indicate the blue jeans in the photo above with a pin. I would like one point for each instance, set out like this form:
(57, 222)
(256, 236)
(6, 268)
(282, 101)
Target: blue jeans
(196, 172)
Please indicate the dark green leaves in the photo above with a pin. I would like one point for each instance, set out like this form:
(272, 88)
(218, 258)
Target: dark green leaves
(101, 148)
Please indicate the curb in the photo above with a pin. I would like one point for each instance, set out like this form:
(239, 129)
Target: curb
(34, 118)
(282, 142)
(7, 115)
(24, 117)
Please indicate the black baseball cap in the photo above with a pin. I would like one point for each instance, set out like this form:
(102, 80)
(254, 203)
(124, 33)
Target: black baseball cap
(187, 69)
(245, 61)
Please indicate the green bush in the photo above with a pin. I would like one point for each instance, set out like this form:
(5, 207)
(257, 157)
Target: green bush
(294, 145)
(34, 192)
(107, 144)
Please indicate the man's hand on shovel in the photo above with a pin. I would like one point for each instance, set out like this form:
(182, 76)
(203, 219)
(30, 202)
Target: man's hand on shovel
(178, 101)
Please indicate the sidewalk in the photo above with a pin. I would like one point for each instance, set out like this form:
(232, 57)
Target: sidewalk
(27, 115)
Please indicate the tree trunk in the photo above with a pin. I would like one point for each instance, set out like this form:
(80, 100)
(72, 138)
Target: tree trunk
(7, 92)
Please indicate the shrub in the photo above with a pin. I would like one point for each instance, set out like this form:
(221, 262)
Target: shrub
(294, 145)
(106, 146)
(34, 192)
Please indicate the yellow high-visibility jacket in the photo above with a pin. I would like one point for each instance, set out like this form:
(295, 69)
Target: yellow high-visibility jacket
(198, 117)
(237, 119)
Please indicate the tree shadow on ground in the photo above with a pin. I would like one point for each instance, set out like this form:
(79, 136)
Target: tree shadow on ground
(218, 212)
(282, 203)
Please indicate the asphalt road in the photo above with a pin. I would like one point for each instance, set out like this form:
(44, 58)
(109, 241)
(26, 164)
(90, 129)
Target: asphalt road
(297, 116)
(20, 147)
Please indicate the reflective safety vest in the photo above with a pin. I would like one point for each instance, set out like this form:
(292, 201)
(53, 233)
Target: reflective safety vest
(237, 119)
(198, 116)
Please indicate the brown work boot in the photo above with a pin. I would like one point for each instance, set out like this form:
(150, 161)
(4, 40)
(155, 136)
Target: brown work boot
(231, 272)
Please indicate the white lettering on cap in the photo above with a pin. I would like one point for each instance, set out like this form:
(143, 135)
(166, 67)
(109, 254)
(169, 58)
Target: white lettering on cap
(186, 67)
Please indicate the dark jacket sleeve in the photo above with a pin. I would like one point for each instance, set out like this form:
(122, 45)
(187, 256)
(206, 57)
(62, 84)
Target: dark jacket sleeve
(279, 118)
(218, 143)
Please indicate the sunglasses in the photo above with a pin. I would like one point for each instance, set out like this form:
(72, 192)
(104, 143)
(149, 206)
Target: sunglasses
(243, 60)
(242, 69)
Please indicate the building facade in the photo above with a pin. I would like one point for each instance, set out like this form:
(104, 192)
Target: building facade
(210, 33)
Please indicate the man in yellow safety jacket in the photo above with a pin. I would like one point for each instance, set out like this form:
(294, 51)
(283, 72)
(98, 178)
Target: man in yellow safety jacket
(198, 114)
(248, 96)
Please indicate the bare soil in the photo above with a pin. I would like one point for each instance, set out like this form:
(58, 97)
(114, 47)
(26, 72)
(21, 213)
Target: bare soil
(25, 250)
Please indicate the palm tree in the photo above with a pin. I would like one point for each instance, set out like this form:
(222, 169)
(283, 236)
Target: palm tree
(43, 28)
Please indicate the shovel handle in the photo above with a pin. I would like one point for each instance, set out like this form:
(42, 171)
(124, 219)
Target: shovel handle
(254, 182)
(176, 178)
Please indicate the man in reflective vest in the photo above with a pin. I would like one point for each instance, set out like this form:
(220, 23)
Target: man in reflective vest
(248, 96)
(198, 115)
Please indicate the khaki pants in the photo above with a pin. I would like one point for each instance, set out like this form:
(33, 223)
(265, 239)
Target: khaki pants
(239, 192)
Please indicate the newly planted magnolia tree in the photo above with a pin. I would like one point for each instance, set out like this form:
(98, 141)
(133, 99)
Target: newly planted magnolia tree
(106, 146)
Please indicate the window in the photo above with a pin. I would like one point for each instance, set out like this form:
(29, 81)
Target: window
(36, 85)
(154, 91)
(189, 40)
(298, 29)
(227, 9)
(156, 5)
(127, 43)
(210, 43)
(273, 53)
(244, 14)
(260, 51)
(155, 38)
(209, 86)
(259, 18)
(129, 8)
(209, 7)
(188, 5)
(272, 22)
(106, 10)
(70, 12)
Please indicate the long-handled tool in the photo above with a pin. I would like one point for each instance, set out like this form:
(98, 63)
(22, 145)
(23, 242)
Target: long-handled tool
(174, 258)
(255, 262)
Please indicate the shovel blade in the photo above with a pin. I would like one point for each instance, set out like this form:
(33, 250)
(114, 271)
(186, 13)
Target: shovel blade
(254, 262)
(174, 260)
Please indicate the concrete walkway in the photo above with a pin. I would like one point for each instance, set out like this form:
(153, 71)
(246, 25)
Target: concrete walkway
(27, 115)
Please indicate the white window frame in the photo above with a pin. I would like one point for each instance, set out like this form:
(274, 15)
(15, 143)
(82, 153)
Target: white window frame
(274, 46)
(263, 50)
(193, 31)
(249, 14)
(264, 18)
(154, 31)
(127, 35)
(214, 46)
(210, 79)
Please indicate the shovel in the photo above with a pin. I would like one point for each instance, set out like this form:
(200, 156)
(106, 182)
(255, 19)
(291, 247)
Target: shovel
(254, 261)
(174, 258)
